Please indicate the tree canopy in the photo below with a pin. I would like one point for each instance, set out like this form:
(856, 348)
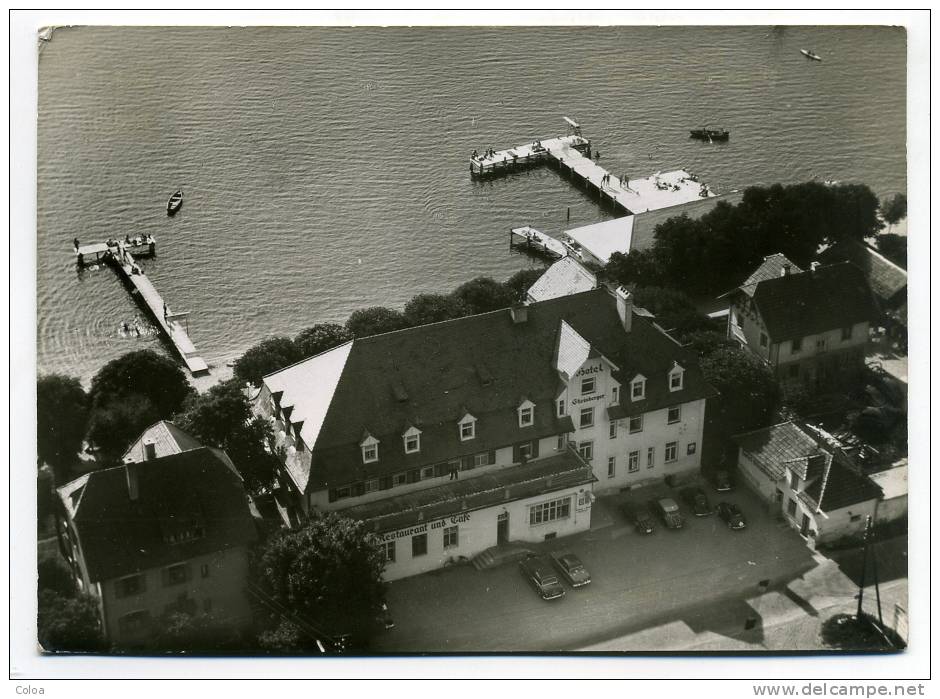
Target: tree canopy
(69, 624)
(62, 409)
(484, 294)
(320, 338)
(374, 321)
(266, 357)
(327, 575)
(673, 309)
(520, 282)
(895, 208)
(433, 308)
(894, 247)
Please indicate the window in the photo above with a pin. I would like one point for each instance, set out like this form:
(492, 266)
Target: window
(371, 485)
(412, 443)
(611, 466)
(615, 395)
(638, 388)
(370, 449)
(633, 463)
(400, 478)
(483, 459)
(673, 415)
(847, 333)
(587, 417)
(671, 452)
(390, 551)
(675, 378)
(636, 424)
(525, 451)
(131, 585)
(763, 340)
(690, 449)
(419, 545)
(651, 457)
(204, 570)
(794, 481)
(586, 450)
(588, 385)
(820, 344)
(175, 575)
(468, 429)
(550, 511)
(134, 622)
(450, 537)
(427, 472)
(340, 493)
(561, 443)
(561, 407)
(796, 345)
(613, 429)
(525, 417)
(791, 508)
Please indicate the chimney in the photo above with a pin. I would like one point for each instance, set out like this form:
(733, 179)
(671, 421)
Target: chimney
(519, 313)
(813, 266)
(785, 270)
(625, 307)
(133, 487)
(150, 450)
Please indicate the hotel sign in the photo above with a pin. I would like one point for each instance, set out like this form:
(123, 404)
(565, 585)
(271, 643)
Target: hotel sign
(425, 527)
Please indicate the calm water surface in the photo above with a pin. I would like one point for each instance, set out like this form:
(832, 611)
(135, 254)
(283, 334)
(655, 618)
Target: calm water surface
(326, 169)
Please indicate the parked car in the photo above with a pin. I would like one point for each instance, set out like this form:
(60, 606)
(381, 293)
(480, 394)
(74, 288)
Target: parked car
(668, 512)
(571, 568)
(732, 515)
(538, 571)
(697, 501)
(639, 516)
(721, 479)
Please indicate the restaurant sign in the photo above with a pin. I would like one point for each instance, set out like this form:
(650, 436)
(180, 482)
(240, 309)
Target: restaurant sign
(422, 528)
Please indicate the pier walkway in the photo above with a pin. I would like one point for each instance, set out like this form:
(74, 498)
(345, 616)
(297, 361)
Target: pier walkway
(174, 325)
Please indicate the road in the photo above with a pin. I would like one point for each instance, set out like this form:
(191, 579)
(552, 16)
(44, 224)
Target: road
(705, 578)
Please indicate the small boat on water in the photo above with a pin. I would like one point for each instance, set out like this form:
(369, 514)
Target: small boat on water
(175, 202)
(810, 54)
(707, 134)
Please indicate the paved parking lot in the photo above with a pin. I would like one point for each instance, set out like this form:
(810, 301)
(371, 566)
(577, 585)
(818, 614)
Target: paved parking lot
(638, 582)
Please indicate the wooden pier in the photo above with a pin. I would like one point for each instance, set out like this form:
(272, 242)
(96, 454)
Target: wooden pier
(536, 243)
(121, 256)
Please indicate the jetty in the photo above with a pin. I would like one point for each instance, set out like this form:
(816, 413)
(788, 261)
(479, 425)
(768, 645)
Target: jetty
(535, 242)
(122, 256)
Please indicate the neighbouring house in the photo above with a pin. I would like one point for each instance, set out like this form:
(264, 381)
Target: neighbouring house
(893, 483)
(812, 482)
(565, 277)
(168, 530)
(811, 327)
(454, 437)
(887, 280)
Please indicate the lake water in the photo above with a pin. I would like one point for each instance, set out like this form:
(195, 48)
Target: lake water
(326, 169)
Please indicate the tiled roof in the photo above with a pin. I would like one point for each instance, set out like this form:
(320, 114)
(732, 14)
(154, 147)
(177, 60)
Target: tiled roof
(887, 280)
(431, 375)
(644, 224)
(167, 439)
(775, 448)
(812, 302)
(505, 485)
(839, 486)
(185, 490)
(565, 277)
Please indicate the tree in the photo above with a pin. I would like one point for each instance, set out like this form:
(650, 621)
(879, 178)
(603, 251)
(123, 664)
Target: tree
(142, 373)
(265, 358)
(638, 267)
(483, 294)
(520, 282)
(894, 209)
(55, 577)
(180, 632)
(221, 417)
(894, 247)
(673, 309)
(320, 338)
(374, 321)
(69, 624)
(62, 409)
(116, 424)
(748, 393)
(856, 212)
(326, 576)
(706, 342)
(433, 308)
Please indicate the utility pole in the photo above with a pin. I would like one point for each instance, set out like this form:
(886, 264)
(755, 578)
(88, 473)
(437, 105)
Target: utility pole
(861, 582)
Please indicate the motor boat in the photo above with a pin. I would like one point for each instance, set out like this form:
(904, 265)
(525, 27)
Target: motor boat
(707, 134)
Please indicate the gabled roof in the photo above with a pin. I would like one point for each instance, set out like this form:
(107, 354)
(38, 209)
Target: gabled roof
(840, 485)
(887, 280)
(812, 302)
(774, 449)
(772, 267)
(567, 276)
(120, 536)
(437, 365)
(167, 439)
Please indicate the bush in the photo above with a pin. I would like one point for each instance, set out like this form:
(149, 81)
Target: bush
(520, 282)
(433, 308)
(69, 624)
(483, 294)
(849, 632)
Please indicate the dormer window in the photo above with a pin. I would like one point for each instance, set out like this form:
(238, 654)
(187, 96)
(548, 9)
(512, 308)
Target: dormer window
(675, 378)
(526, 414)
(638, 388)
(468, 427)
(370, 449)
(412, 437)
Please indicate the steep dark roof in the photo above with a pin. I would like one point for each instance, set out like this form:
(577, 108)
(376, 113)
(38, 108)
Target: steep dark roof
(887, 280)
(803, 304)
(438, 366)
(194, 488)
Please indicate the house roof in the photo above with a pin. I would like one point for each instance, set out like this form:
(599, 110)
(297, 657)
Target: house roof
(605, 238)
(167, 439)
(840, 485)
(567, 276)
(194, 488)
(775, 448)
(806, 303)
(892, 481)
(643, 232)
(440, 369)
(887, 280)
